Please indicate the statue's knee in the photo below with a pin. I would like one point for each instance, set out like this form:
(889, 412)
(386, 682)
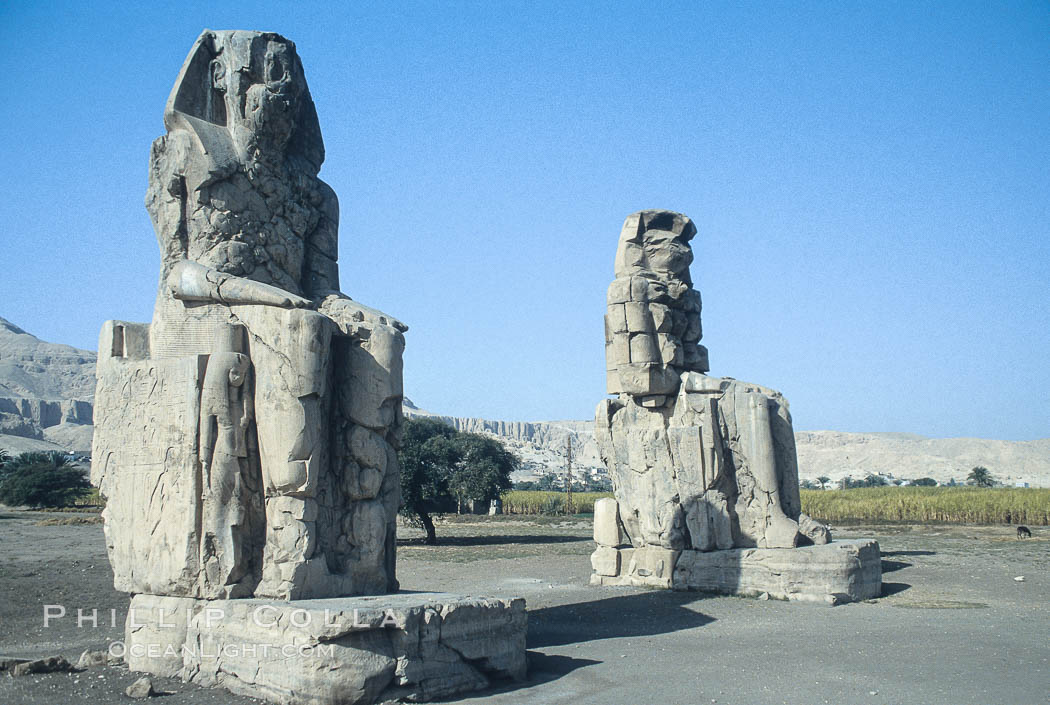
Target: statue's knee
(293, 476)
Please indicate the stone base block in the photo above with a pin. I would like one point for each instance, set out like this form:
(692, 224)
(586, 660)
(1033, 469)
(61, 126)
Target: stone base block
(650, 566)
(418, 647)
(842, 571)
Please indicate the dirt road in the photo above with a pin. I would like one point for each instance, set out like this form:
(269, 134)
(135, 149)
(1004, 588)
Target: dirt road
(953, 626)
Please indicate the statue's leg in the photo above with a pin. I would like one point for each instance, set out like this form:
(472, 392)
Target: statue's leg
(222, 509)
(290, 350)
(222, 524)
(780, 532)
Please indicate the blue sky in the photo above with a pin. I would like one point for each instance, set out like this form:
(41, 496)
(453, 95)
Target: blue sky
(869, 182)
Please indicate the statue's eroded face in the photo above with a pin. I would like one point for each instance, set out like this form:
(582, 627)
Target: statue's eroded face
(666, 253)
(268, 92)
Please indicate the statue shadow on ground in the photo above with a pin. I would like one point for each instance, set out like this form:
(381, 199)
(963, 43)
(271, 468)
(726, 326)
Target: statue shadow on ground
(893, 588)
(637, 614)
(543, 668)
(909, 553)
(889, 566)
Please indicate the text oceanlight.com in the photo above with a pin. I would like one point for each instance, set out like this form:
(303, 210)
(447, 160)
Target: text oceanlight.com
(205, 651)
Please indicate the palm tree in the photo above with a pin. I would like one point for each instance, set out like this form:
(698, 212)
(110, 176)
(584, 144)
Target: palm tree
(53, 458)
(823, 480)
(981, 477)
(42, 480)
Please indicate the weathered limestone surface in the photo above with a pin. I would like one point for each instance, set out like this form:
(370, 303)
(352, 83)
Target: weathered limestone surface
(333, 651)
(843, 571)
(698, 463)
(246, 439)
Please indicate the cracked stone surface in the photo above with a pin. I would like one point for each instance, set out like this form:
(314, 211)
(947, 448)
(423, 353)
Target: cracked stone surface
(419, 646)
(246, 438)
(699, 463)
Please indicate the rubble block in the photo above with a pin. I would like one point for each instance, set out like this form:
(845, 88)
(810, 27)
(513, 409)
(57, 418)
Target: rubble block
(417, 646)
(834, 573)
(843, 571)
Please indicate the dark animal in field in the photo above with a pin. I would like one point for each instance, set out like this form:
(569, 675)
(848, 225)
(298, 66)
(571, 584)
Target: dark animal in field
(1023, 532)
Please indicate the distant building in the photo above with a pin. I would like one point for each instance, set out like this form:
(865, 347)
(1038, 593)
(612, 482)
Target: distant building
(1021, 483)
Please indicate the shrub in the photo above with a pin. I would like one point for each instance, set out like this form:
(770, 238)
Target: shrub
(41, 480)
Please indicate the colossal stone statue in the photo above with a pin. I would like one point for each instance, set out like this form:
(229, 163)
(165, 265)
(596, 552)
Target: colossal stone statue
(245, 440)
(260, 402)
(698, 463)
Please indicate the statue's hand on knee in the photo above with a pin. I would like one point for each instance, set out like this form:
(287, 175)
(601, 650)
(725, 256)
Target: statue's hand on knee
(191, 281)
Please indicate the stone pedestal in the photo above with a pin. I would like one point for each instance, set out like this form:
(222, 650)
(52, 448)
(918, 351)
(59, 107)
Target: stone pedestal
(833, 573)
(419, 646)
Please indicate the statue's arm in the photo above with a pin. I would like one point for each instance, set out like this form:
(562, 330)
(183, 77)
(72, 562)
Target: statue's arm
(190, 281)
(320, 266)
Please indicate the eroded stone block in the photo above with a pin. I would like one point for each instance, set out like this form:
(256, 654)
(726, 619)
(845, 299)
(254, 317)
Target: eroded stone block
(607, 530)
(420, 646)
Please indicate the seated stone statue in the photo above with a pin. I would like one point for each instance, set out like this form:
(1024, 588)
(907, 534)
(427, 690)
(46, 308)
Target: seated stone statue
(251, 427)
(697, 462)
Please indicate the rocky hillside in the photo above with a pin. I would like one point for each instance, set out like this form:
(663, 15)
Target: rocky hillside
(832, 454)
(836, 455)
(45, 393)
(541, 445)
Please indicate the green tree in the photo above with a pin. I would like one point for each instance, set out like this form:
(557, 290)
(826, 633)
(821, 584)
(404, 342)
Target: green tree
(426, 458)
(823, 480)
(482, 469)
(548, 482)
(924, 482)
(981, 477)
(443, 469)
(601, 484)
(874, 481)
(41, 480)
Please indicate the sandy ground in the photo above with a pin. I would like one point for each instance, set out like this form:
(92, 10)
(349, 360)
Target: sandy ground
(953, 626)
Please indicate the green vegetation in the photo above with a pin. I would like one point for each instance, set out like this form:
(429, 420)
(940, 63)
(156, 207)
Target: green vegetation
(550, 482)
(40, 480)
(443, 470)
(530, 502)
(848, 483)
(953, 505)
(981, 477)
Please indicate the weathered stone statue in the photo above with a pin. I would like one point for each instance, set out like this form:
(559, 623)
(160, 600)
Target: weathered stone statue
(246, 439)
(698, 463)
(258, 412)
